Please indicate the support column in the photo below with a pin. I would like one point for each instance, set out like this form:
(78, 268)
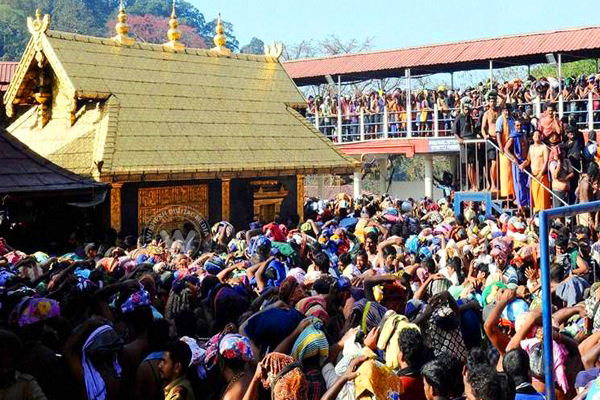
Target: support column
(339, 109)
(300, 196)
(560, 96)
(428, 159)
(225, 199)
(590, 111)
(408, 105)
(451, 80)
(115, 206)
(320, 184)
(491, 73)
(357, 184)
(537, 107)
(383, 174)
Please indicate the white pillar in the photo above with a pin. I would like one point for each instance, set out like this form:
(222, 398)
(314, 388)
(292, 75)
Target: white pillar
(537, 107)
(428, 159)
(408, 105)
(317, 118)
(320, 184)
(361, 122)
(339, 125)
(385, 122)
(436, 121)
(491, 73)
(339, 121)
(357, 184)
(561, 106)
(383, 174)
(590, 111)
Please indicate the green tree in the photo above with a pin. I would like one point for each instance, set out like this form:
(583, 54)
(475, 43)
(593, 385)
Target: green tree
(256, 46)
(94, 18)
(573, 69)
(13, 33)
(208, 33)
(187, 13)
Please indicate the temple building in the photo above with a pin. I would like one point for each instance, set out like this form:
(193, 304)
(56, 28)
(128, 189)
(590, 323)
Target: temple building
(166, 125)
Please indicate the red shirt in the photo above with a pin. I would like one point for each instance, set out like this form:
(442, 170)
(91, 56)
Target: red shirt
(412, 386)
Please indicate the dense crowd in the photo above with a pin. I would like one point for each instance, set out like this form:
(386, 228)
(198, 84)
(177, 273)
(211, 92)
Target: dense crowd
(520, 94)
(368, 298)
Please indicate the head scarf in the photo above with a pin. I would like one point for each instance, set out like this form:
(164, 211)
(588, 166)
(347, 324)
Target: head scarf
(290, 292)
(137, 299)
(438, 286)
(272, 325)
(311, 343)
(283, 375)
(5, 277)
(315, 306)
(223, 225)
(32, 310)
(103, 339)
(235, 347)
(389, 338)
(376, 381)
(535, 350)
(371, 314)
(501, 248)
(198, 353)
(236, 247)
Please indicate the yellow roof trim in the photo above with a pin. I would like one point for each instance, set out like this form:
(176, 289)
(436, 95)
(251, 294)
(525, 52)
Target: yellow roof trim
(25, 64)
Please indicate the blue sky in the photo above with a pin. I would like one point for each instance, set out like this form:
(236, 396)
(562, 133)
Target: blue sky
(397, 23)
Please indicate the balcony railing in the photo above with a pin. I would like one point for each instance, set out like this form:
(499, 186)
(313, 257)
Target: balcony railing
(436, 123)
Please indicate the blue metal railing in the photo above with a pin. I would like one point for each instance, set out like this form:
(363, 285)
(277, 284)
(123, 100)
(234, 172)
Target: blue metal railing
(545, 216)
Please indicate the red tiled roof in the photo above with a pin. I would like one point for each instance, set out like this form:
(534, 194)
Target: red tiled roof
(7, 69)
(473, 54)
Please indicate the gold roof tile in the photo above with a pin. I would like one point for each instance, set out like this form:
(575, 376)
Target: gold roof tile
(190, 111)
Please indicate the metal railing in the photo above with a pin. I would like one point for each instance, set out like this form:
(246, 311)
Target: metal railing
(433, 122)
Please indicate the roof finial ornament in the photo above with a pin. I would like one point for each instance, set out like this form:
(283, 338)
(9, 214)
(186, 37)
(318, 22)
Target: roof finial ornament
(38, 25)
(122, 28)
(220, 39)
(273, 51)
(174, 34)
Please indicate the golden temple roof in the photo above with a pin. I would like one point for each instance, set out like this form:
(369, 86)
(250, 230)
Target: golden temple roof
(141, 110)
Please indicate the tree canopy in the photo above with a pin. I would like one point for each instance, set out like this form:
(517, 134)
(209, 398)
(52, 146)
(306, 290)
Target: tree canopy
(256, 46)
(98, 17)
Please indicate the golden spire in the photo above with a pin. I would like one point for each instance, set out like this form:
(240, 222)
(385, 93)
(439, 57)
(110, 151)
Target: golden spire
(219, 38)
(174, 34)
(122, 28)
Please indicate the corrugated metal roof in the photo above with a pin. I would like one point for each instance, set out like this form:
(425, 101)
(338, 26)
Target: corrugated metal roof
(447, 57)
(7, 69)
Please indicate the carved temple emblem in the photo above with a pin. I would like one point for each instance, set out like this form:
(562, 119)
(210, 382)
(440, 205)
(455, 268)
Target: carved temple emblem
(166, 200)
(267, 199)
(37, 27)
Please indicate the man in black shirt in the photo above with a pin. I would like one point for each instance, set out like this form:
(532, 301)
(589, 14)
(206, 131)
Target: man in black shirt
(464, 128)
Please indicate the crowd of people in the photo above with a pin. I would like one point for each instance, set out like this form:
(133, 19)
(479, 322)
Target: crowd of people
(535, 163)
(520, 94)
(367, 298)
